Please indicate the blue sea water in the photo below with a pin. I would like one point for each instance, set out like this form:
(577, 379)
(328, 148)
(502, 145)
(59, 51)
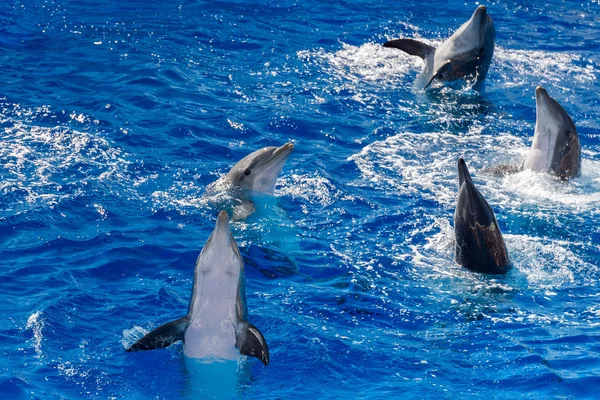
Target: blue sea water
(116, 115)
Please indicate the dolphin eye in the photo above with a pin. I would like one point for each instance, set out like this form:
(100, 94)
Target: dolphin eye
(247, 172)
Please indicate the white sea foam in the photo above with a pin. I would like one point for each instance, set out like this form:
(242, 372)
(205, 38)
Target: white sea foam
(425, 165)
(41, 161)
(35, 323)
(312, 188)
(517, 67)
(372, 62)
(544, 264)
(130, 336)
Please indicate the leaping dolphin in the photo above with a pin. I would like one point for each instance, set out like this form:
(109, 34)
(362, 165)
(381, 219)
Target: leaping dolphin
(465, 55)
(254, 174)
(216, 324)
(555, 147)
(479, 243)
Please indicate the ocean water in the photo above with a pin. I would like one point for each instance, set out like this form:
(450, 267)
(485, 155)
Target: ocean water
(116, 115)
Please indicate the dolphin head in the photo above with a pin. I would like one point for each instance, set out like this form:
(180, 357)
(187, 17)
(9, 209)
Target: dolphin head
(479, 243)
(467, 53)
(555, 145)
(258, 171)
(475, 31)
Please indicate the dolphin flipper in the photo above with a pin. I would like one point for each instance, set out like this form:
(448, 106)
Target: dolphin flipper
(412, 47)
(163, 336)
(251, 342)
(444, 71)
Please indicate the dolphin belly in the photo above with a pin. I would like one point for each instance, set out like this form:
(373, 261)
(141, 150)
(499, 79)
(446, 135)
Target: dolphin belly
(216, 325)
(211, 332)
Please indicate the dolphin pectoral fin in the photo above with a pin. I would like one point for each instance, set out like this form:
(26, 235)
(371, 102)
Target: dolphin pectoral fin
(442, 73)
(163, 336)
(243, 210)
(412, 47)
(251, 342)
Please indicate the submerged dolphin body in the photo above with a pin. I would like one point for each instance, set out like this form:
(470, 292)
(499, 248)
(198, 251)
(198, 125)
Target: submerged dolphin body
(216, 324)
(465, 55)
(253, 176)
(555, 147)
(479, 243)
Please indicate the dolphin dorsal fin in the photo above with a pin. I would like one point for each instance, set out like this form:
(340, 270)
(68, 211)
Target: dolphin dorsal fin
(251, 342)
(412, 47)
(163, 336)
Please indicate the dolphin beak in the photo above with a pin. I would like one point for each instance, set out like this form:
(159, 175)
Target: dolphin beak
(480, 14)
(222, 225)
(284, 151)
(471, 205)
(541, 95)
(463, 172)
(543, 105)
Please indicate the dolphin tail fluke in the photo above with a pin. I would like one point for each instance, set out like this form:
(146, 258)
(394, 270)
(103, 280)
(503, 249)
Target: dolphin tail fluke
(251, 342)
(412, 47)
(163, 336)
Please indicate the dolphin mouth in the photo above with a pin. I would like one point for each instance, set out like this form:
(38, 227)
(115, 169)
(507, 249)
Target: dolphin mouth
(480, 13)
(278, 157)
(546, 110)
(481, 17)
(267, 170)
(281, 153)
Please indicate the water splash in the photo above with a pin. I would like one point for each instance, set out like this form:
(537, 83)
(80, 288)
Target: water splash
(35, 323)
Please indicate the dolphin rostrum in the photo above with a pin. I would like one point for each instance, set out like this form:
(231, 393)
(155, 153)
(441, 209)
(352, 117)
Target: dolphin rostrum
(216, 324)
(479, 243)
(465, 55)
(555, 147)
(253, 175)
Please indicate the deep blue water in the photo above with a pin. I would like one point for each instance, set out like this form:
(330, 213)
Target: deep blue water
(116, 115)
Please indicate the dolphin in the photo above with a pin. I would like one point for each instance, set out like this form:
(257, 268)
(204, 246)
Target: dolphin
(555, 147)
(479, 243)
(253, 176)
(216, 325)
(465, 55)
